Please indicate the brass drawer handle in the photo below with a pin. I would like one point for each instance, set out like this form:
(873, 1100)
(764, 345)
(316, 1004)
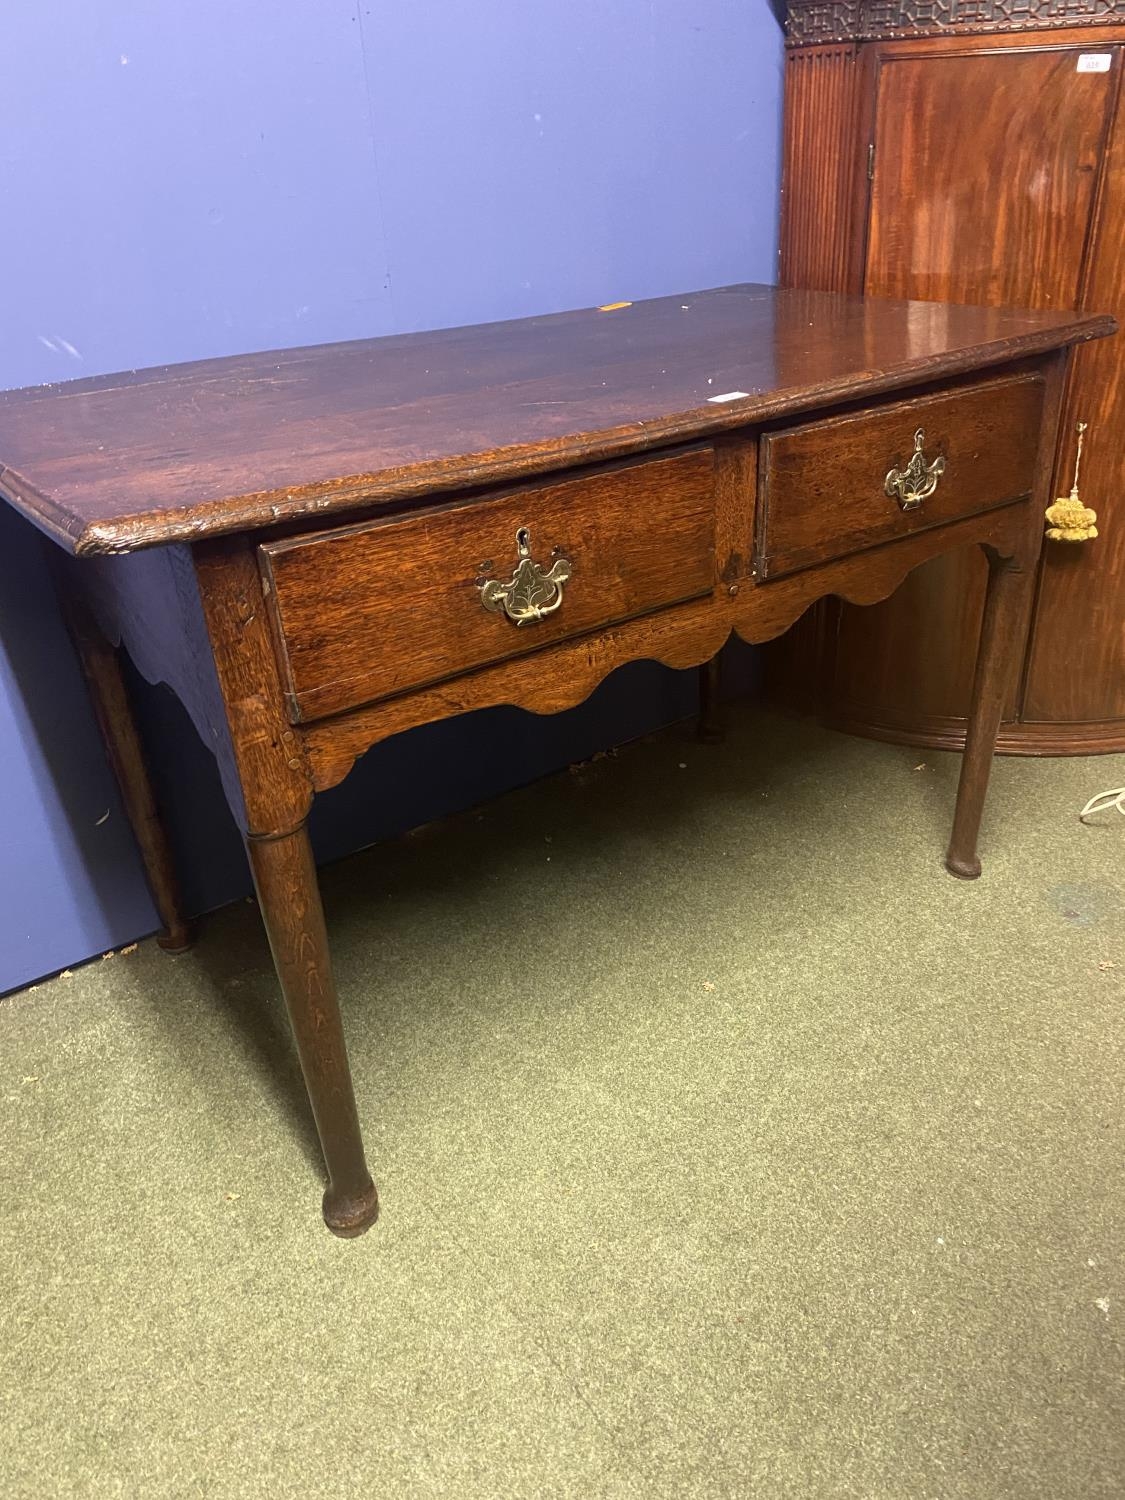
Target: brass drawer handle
(533, 592)
(918, 481)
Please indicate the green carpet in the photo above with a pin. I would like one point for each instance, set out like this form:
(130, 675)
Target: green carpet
(727, 1147)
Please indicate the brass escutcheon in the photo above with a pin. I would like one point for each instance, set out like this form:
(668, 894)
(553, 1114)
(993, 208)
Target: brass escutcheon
(532, 592)
(918, 481)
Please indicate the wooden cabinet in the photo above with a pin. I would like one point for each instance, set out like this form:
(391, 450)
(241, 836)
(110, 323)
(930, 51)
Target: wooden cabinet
(970, 160)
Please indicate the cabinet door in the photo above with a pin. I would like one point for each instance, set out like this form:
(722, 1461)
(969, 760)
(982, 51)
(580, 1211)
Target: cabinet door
(985, 172)
(985, 167)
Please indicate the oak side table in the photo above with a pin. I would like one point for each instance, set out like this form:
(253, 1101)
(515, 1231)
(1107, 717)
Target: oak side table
(318, 548)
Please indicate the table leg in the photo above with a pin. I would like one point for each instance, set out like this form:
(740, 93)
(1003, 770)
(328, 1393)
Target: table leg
(289, 896)
(1001, 641)
(101, 662)
(710, 729)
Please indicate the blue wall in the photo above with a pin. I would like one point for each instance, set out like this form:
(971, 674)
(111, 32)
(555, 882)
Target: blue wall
(185, 180)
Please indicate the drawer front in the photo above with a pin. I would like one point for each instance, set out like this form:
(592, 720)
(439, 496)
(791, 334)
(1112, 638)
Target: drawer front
(371, 611)
(837, 486)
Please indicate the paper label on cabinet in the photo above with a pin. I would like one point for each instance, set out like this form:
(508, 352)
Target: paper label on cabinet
(1094, 62)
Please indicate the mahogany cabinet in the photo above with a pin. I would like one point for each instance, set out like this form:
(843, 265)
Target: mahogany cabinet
(970, 151)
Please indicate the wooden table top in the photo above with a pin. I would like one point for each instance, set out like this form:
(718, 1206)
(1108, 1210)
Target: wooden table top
(120, 462)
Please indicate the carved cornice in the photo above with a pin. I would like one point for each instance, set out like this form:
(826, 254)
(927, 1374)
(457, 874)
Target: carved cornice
(818, 21)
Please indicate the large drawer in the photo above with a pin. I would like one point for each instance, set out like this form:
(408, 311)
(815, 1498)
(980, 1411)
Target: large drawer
(369, 611)
(829, 488)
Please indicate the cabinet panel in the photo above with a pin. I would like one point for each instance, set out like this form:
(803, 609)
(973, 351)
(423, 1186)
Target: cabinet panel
(822, 143)
(890, 671)
(985, 171)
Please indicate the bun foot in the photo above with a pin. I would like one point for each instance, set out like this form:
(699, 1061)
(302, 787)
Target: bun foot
(349, 1215)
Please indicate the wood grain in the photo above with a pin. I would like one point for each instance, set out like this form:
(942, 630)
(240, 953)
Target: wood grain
(684, 636)
(823, 482)
(369, 611)
(223, 446)
(997, 213)
(275, 788)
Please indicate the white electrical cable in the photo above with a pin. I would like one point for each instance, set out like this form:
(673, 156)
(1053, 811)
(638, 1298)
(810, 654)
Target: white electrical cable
(1103, 802)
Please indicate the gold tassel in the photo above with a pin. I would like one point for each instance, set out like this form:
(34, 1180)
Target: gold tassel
(1068, 520)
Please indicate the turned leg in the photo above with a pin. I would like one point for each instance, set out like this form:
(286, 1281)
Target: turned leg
(102, 665)
(1001, 637)
(289, 896)
(709, 729)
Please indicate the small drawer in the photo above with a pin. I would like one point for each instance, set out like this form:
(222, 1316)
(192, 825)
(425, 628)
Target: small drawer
(370, 611)
(834, 487)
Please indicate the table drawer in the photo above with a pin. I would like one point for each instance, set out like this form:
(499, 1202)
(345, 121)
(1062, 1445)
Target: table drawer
(366, 612)
(829, 488)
